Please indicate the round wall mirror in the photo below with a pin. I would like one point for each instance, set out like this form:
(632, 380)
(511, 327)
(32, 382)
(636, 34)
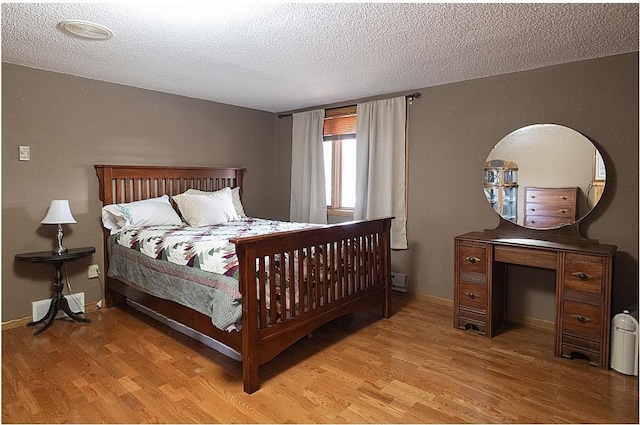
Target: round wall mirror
(544, 176)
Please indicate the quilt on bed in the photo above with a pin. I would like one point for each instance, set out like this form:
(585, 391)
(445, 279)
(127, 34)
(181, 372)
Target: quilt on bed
(153, 258)
(206, 248)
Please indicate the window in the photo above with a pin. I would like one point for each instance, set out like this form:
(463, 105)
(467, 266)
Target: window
(340, 159)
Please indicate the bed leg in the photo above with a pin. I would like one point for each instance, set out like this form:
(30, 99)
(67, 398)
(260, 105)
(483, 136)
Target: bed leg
(113, 299)
(110, 298)
(386, 304)
(250, 376)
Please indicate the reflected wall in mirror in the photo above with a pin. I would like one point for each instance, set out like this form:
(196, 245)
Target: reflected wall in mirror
(544, 176)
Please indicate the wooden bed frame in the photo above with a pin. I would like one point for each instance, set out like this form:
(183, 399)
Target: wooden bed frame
(358, 252)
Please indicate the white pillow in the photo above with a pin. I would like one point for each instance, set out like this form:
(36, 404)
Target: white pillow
(205, 210)
(148, 212)
(235, 197)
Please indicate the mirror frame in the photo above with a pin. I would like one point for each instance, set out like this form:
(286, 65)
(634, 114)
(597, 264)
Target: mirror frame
(597, 165)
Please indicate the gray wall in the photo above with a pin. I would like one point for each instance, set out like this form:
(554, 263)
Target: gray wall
(72, 123)
(452, 129)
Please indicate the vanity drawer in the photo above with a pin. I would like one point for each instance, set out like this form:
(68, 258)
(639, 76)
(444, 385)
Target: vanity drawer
(472, 315)
(472, 295)
(591, 349)
(551, 210)
(473, 258)
(582, 320)
(585, 344)
(468, 319)
(583, 273)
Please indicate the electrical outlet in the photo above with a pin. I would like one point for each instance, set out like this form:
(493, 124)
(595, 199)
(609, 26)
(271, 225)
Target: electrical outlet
(25, 153)
(93, 271)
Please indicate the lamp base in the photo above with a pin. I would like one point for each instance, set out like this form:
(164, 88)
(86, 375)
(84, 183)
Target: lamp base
(60, 250)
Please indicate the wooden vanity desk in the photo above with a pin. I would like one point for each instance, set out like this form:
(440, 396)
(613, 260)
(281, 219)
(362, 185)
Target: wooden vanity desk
(583, 286)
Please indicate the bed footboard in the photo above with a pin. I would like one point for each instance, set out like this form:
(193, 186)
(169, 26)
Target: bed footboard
(305, 279)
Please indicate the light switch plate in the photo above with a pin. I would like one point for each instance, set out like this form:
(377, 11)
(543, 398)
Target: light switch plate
(25, 153)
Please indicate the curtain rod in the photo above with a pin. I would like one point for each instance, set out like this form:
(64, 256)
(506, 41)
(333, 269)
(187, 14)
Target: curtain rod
(409, 97)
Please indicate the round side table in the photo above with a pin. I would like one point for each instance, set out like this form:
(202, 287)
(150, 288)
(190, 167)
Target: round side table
(59, 302)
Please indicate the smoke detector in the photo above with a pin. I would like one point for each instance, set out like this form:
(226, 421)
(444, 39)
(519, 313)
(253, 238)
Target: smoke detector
(85, 29)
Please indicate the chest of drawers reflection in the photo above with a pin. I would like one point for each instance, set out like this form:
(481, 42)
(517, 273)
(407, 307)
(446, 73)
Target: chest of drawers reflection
(546, 207)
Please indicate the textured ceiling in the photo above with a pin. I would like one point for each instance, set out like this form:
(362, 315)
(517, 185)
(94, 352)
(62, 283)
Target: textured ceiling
(285, 56)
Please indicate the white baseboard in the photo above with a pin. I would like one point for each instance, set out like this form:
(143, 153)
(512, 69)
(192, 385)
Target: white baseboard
(40, 308)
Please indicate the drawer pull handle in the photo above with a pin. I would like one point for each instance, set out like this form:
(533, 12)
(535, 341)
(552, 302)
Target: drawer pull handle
(580, 318)
(563, 211)
(472, 260)
(581, 276)
(532, 209)
(471, 295)
(532, 196)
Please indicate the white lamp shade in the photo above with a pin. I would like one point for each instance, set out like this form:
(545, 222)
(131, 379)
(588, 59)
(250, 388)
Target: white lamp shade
(59, 213)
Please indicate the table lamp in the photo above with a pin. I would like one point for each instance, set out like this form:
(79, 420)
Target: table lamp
(59, 213)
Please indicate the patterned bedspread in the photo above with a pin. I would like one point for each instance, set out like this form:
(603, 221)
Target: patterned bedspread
(152, 258)
(206, 248)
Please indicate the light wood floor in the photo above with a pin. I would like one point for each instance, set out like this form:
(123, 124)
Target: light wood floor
(411, 368)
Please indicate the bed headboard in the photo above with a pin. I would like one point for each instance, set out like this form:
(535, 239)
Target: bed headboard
(128, 183)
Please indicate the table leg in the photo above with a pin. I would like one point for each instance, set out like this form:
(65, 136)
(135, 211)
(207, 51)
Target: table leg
(59, 302)
(64, 306)
(52, 310)
(48, 318)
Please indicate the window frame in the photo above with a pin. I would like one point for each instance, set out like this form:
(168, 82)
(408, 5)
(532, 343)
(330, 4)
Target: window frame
(335, 209)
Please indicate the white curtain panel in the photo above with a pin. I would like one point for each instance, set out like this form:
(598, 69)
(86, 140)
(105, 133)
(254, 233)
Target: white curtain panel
(381, 165)
(308, 196)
